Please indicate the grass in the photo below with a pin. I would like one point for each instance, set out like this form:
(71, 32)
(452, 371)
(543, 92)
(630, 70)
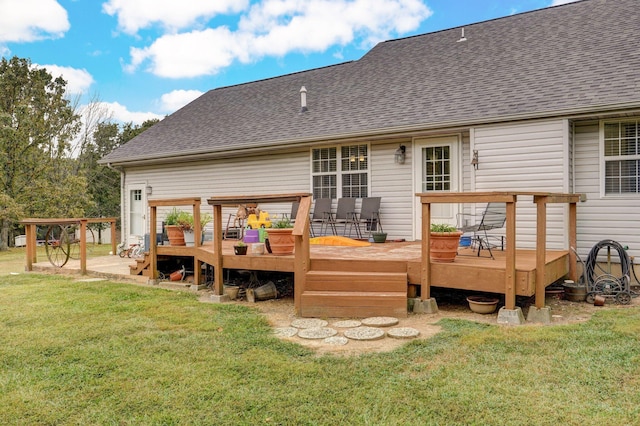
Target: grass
(109, 353)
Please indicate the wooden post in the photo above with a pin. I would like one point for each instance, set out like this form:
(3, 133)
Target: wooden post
(425, 285)
(217, 248)
(302, 251)
(573, 241)
(510, 267)
(114, 246)
(30, 235)
(83, 246)
(153, 243)
(541, 247)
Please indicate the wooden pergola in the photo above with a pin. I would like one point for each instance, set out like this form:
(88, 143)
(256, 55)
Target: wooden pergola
(31, 225)
(541, 200)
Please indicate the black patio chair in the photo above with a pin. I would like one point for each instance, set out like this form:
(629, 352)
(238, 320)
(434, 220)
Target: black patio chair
(346, 209)
(369, 217)
(493, 217)
(321, 214)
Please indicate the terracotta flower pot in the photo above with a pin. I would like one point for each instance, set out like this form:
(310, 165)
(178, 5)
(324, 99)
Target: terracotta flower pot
(444, 246)
(175, 235)
(281, 241)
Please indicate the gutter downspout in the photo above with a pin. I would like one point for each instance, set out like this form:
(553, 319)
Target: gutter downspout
(123, 178)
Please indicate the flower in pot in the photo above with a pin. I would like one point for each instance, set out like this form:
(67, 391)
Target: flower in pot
(186, 220)
(240, 248)
(444, 241)
(280, 239)
(174, 225)
(379, 237)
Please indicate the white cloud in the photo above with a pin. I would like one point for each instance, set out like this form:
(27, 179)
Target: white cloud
(78, 81)
(173, 101)
(279, 27)
(121, 114)
(29, 20)
(171, 14)
(559, 2)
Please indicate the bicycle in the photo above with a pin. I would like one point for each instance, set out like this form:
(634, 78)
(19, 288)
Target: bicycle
(134, 250)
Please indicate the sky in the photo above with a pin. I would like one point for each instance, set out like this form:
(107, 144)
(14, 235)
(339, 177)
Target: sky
(145, 59)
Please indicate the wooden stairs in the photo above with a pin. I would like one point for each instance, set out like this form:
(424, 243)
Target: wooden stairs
(355, 289)
(141, 267)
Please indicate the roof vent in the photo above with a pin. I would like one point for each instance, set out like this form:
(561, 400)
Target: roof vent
(462, 37)
(303, 100)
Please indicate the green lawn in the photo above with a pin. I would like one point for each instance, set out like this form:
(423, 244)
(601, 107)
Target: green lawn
(110, 353)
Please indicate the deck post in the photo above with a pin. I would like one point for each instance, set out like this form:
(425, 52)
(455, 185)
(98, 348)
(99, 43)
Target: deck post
(573, 241)
(302, 252)
(510, 313)
(217, 248)
(426, 304)
(114, 246)
(83, 246)
(153, 243)
(540, 313)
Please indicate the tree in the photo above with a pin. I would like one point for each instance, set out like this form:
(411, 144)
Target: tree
(37, 125)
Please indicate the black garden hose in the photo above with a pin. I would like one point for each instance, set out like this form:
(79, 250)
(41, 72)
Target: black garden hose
(592, 258)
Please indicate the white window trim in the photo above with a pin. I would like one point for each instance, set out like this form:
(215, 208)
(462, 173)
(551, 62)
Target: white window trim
(339, 172)
(603, 159)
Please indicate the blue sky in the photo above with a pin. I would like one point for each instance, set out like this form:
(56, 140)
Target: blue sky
(147, 58)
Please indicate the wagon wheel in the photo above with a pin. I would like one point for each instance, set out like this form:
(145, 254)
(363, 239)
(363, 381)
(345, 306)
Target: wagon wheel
(57, 245)
(623, 298)
(75, 242)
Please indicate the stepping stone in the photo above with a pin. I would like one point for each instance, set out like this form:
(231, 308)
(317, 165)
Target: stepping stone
(380, 321)
(347, 324)
(309, 323)
(285, 331)
(317, 333)
(403, 333)
(364, 333)
(336, 340)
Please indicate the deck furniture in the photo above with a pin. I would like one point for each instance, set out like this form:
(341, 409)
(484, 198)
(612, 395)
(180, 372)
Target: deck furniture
(493, 217)
(345, 210)
(321, 215)
(369, 217)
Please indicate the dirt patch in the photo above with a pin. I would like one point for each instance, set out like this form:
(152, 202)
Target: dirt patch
(280, 313)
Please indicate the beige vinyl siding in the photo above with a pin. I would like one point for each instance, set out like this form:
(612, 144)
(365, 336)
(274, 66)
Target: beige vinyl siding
(526, 156)
(600, 217)
(264, 174)
(393, 182)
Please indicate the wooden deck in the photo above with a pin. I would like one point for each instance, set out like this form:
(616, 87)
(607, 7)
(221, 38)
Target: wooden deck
(378, 279)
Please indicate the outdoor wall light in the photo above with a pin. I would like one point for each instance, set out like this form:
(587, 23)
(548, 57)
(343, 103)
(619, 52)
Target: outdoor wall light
(399, 156)
(148, 190)
(474, 159)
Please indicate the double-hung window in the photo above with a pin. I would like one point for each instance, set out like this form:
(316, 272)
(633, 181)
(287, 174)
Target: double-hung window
(621, 142)
(340, 171)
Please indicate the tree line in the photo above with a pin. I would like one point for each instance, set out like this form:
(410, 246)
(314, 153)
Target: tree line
(50, 151)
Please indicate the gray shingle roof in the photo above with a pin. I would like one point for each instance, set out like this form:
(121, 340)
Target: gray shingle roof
(582, 56)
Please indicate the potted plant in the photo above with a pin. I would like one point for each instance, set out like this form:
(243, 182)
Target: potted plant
(174, 225)
(379, 237)
(240, 248)
(444, 240)
(280, 239)
(187, 222)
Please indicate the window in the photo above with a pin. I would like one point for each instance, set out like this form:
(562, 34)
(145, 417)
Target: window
(346, 168)
(437, 168)
(622, 157)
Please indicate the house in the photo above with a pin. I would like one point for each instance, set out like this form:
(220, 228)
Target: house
(547, 100)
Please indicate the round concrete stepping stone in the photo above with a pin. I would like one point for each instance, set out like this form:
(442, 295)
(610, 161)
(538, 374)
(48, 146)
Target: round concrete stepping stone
(285, 331)
(309, 323)
(380, 321)
(336, 340)
(347, 324)
(317, 333)
(364, 333)
(403, 333)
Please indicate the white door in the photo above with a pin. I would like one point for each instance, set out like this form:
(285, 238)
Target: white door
(137, 213)
(436, 169)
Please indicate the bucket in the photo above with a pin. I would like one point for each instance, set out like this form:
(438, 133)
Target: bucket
(265, 292)
(257, 249)
(176, 276)
(574, 292)
(231, 291)
(252, 236)
(262, 233)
